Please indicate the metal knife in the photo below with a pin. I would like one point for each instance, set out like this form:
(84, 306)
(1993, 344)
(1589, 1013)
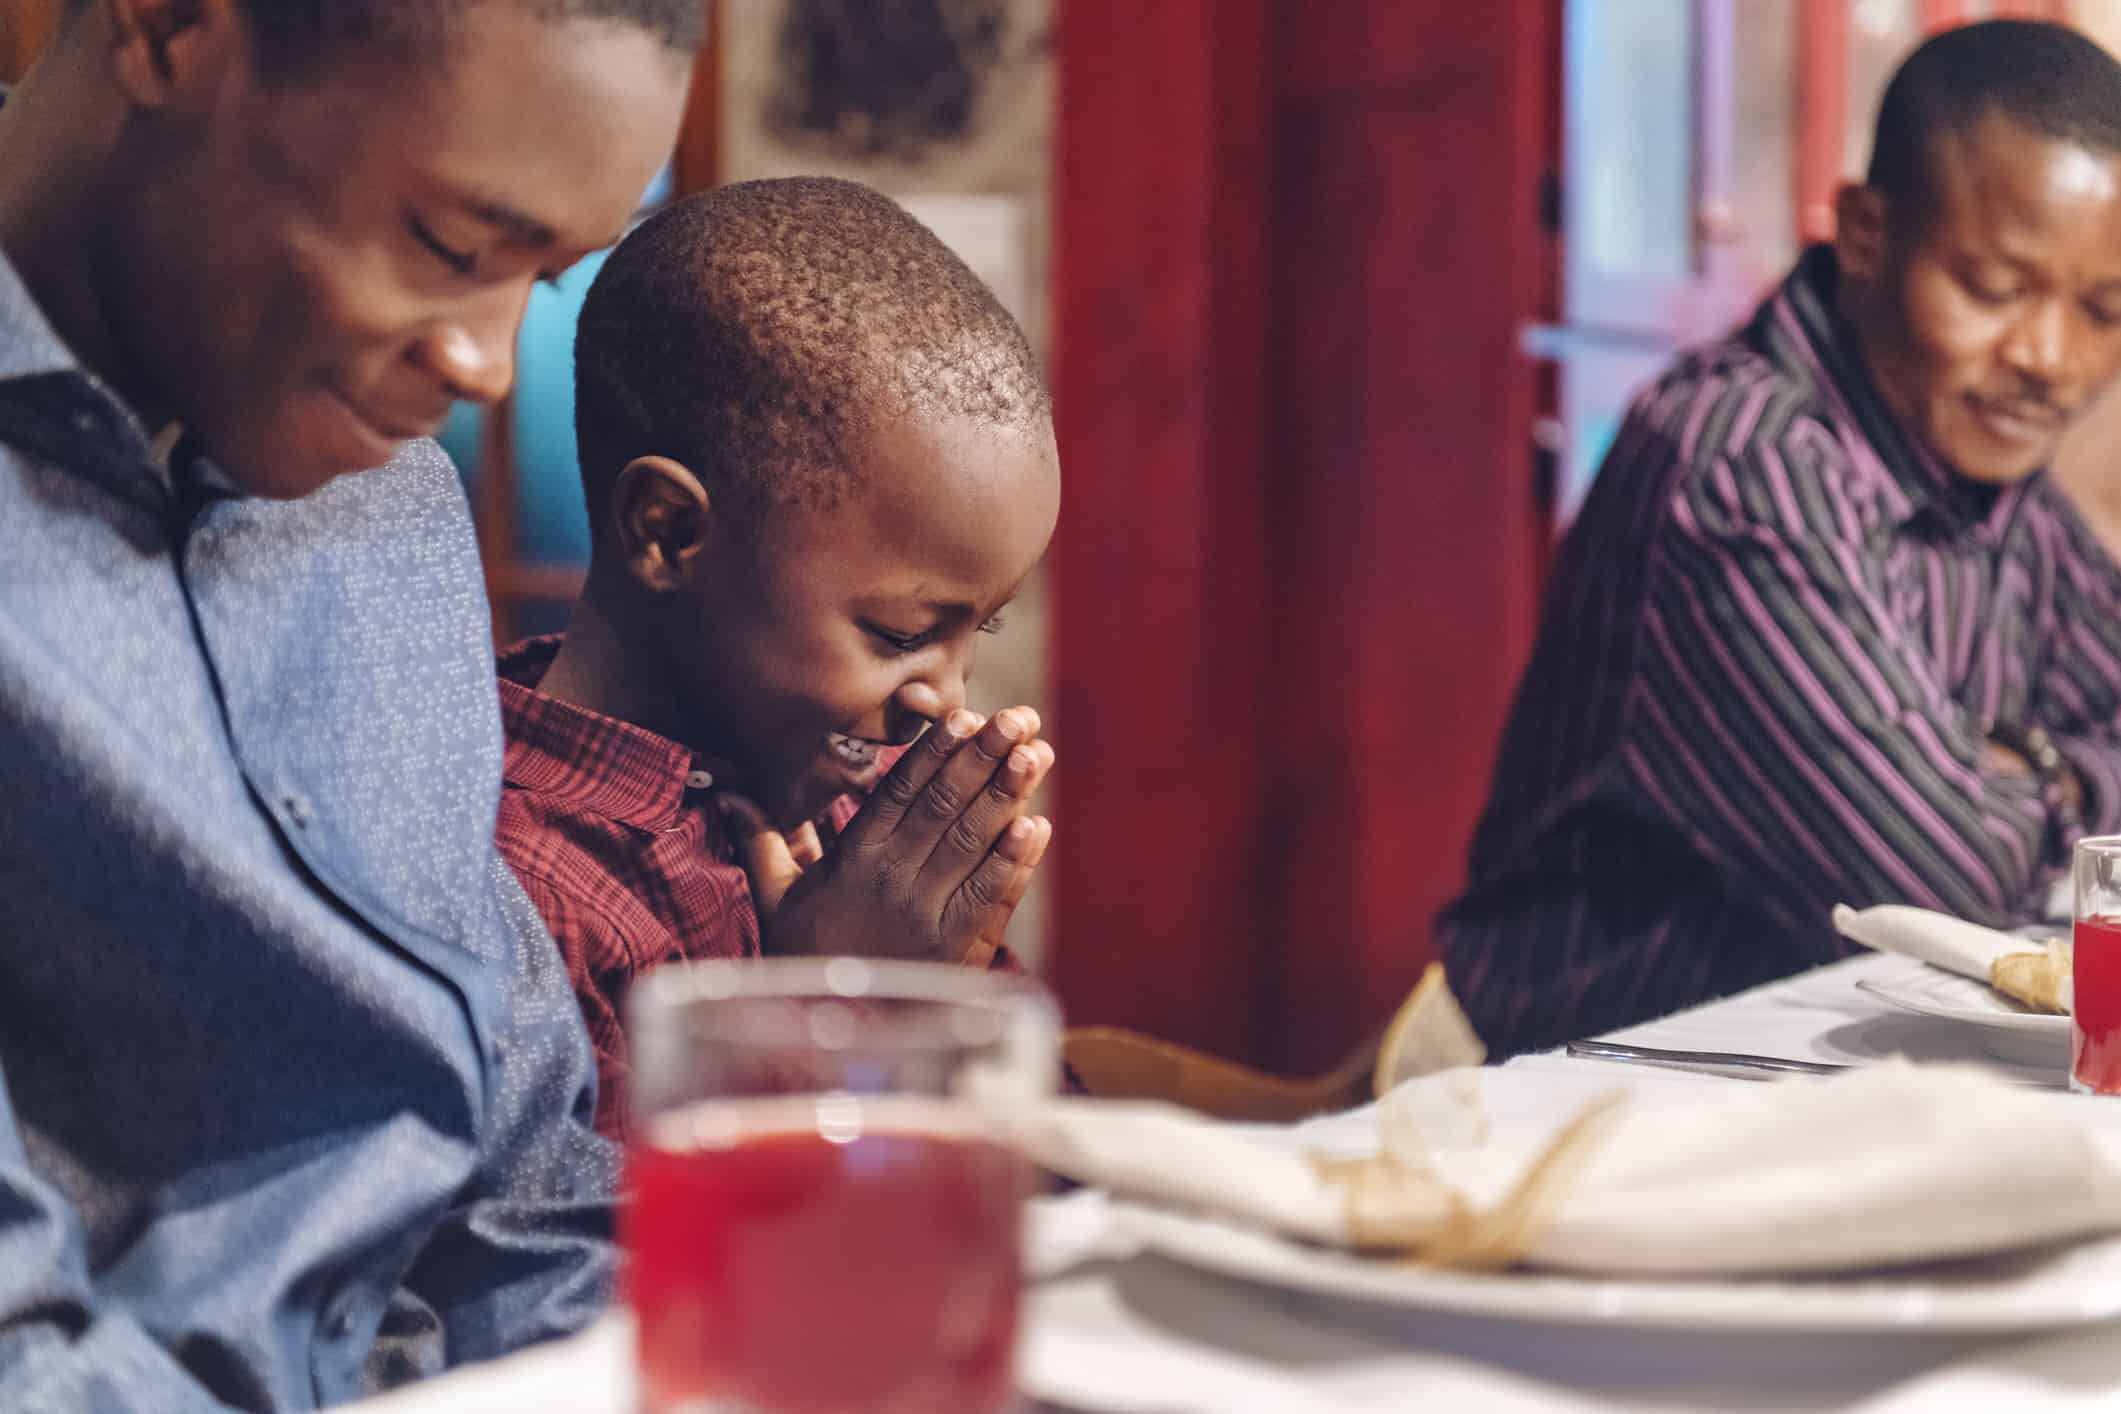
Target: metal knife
(1750, 1067)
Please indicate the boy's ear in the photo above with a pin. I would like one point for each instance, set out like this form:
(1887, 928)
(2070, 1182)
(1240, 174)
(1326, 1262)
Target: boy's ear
(664, 518)
(1860, 234)
(171, 54)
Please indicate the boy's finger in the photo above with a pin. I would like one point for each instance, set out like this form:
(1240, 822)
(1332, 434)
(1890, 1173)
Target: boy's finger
(1036, 857)
(996, 931)
(804, 846)
(979, 898)
(1021, 884)
(903, 783)
(995, 935)
(1044, 749)
(971, 802)
(763, 849)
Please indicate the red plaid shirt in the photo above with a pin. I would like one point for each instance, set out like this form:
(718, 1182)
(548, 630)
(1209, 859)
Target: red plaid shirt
(614, 834)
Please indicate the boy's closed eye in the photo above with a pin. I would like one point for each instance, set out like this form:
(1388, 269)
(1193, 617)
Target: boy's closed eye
(898, 641)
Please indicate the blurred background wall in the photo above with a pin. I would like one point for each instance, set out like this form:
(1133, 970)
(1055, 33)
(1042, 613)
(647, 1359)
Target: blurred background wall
(1342, 304)
(25, 25)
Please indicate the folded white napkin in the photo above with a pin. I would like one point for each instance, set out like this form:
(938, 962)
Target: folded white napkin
(1935, 938)
(1887, 1165)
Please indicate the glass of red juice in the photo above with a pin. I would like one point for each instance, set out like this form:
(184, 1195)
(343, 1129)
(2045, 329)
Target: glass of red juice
(2095, 1033)
(820, 1219)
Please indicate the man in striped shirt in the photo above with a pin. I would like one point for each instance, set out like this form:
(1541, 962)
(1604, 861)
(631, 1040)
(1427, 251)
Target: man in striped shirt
(1824, 632)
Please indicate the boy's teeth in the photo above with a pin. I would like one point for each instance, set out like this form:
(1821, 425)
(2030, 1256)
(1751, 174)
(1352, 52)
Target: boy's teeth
(859, 753)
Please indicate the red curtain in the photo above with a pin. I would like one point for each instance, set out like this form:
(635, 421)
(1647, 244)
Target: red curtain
(1297, 568)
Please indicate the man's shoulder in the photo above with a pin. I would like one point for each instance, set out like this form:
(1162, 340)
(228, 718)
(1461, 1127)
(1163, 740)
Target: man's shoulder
(418, 483)
(1737, 436)
(1705, 428)
(1726, 401)
(402, 529)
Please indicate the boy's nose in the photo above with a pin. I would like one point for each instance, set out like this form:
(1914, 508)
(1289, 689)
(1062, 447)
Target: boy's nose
(927, 700)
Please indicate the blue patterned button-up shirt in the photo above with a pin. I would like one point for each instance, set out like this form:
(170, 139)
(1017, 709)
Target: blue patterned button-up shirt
(293, 1092)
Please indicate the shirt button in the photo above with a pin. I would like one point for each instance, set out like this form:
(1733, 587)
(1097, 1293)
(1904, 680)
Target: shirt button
(699, 780)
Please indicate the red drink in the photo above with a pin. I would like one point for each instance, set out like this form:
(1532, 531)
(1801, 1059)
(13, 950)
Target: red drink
(789, 1274)
(2095, 1050)
(818, 1222)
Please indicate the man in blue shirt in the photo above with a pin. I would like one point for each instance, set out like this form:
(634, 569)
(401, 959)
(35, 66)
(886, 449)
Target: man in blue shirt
(293, 1093)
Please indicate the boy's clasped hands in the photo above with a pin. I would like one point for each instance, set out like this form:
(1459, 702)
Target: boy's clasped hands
(933, 864)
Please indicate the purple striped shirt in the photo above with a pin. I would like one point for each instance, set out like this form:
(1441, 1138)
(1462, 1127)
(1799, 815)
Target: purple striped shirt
(1775, 644)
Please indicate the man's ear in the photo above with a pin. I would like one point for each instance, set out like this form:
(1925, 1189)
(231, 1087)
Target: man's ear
(1860, 232)
(664, 521)
(172, 54)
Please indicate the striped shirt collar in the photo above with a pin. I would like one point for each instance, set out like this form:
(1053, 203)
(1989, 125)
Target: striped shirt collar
(1800, 331)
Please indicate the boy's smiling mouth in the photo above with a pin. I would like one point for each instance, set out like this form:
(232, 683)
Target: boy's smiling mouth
(857, 752)
(860, 752)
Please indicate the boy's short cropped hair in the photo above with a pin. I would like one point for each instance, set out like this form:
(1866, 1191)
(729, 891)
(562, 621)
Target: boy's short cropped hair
(755, 332)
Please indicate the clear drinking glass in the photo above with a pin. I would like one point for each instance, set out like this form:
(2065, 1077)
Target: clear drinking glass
(2095, 1033)
(820, 1219)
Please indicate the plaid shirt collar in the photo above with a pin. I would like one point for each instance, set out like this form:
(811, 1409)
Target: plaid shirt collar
(595, 763)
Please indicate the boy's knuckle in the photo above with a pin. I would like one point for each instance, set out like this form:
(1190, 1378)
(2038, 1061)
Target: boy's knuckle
(965, 837)
(978, 899)
(943, 801)
(984, 890)
(899, 788)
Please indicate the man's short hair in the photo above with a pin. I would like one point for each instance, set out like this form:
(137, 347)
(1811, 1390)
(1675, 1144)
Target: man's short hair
(294, 37)
(757, 332)
(2047, 77)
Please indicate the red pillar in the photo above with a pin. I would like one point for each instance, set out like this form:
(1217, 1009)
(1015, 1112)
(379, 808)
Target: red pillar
(1822, 109)
(1408, 253)
(1159, 352)
(1296, 572)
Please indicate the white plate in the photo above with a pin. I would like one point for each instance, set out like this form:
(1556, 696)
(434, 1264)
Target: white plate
(1931, 991)
(2051, 1289)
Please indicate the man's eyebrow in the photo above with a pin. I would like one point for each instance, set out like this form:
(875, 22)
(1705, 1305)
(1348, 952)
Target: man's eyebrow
(528, 230)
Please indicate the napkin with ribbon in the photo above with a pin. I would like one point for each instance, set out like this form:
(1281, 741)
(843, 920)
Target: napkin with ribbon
(2034, 972)
(1888, 1165)
(1927, 936)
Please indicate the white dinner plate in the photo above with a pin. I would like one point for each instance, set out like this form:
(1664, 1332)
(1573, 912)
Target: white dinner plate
(1930, 991)
(2050, 1289)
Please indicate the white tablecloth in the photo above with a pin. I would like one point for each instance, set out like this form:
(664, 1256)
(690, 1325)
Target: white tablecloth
(1146, 1336)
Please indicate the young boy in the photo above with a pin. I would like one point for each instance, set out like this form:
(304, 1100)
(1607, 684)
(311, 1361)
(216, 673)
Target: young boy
(819, 461)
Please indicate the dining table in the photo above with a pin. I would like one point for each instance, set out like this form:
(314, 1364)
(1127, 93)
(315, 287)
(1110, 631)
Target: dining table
(1111, 1327)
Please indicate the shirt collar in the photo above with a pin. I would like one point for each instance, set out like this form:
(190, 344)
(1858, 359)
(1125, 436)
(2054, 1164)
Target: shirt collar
(1800, 330)
(596, 763)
